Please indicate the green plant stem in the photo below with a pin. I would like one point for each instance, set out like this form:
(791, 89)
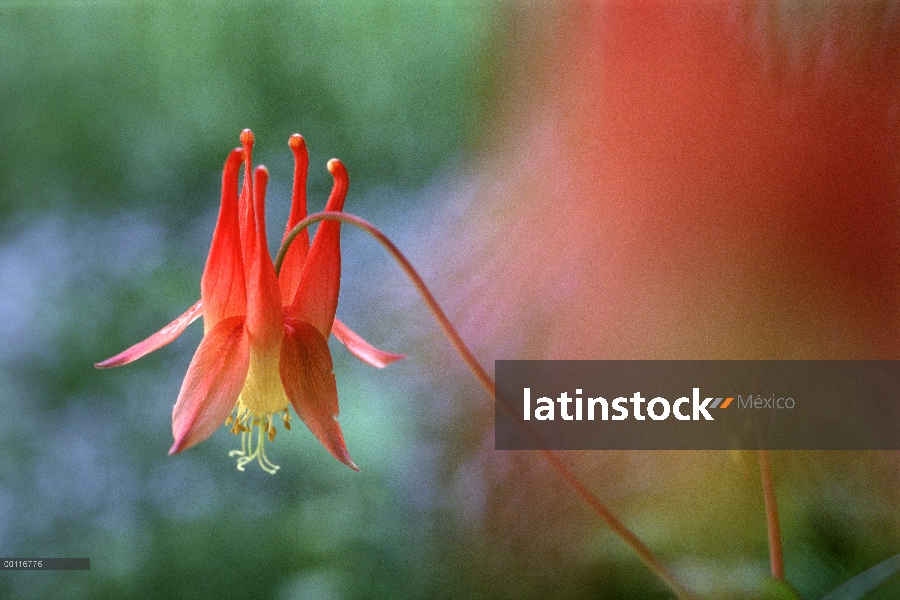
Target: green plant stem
(611, 521)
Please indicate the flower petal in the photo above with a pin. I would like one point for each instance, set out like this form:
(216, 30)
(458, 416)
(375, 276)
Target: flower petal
(264, 311)
(306, 374)
(317, 296)
(362, 349)
(223, 286)
(292, 266)
(213, 383)
(155, 341)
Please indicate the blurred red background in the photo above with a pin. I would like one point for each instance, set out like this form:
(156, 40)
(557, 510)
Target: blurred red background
(694, 180)
(688, 180)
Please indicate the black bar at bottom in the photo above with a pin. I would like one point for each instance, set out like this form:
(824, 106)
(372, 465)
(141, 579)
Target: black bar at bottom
(45, 564)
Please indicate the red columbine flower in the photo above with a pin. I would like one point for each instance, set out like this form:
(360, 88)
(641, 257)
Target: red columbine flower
(265, 335)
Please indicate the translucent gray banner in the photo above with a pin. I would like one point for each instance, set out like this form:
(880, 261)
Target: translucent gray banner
(45, 564)
(698, 405)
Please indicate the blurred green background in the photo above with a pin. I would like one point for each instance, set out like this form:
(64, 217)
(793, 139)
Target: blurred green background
(116, 119)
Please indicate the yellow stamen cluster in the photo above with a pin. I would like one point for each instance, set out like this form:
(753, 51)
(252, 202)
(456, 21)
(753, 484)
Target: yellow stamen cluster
(244, 421)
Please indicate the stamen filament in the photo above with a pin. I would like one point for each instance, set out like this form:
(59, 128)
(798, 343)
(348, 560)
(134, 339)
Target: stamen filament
(245, 422)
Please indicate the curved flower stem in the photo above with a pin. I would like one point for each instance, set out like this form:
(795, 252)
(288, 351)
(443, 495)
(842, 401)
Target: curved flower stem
(611, 521)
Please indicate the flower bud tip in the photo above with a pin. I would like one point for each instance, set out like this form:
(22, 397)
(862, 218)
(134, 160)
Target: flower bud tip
(334, 165)
(296, 142)
(247, 138)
